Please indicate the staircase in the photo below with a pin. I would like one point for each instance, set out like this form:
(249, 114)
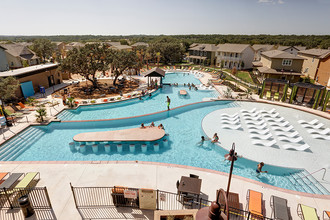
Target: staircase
(17, 145)
(304, 182)
(65, 115)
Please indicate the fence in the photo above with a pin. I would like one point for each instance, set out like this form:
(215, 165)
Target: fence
(102, 197)
(38, 197)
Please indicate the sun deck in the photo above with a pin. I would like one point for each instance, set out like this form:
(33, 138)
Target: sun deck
(132, 134)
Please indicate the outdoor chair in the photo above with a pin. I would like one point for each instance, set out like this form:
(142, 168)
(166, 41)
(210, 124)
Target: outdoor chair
(11, 114)
(279, 208)
(28, 180)
(25, 107)
(193, 176)
(326, 215)
(10, 182)
(2, 176)
(254, 204)
(276, 96)
(268, 95)
(24, 111)
(306, 212)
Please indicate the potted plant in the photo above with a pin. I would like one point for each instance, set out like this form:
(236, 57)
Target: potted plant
(70, 102)
(41, 113)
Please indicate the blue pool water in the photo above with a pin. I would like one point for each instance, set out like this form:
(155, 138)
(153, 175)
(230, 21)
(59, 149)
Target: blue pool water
(51, 143)
(155, 103)
(181, 78)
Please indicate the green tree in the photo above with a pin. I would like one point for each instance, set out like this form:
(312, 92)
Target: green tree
(170, 49)
(44, 48)
(87, 60)
(123, 42)
(121, 61)
(25, 63)
(8, 87)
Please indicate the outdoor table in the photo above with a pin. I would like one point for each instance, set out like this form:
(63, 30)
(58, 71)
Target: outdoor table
(233, 202)
(190, 185)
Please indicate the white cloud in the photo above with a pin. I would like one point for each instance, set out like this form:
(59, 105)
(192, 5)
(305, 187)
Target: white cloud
(271, 1)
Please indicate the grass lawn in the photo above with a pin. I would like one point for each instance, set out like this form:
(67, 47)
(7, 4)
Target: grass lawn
(244, 76)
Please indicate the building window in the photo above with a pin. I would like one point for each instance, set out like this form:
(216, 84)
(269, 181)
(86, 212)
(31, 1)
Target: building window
(12, 64)
(236, 55)
(286, 62)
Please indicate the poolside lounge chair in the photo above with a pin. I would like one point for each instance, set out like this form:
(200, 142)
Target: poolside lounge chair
(224, 114)
(10, 182)
(259, 127)
(274, 115)
(11, 114)
(249, 111)
(262, 142)
(318, 136)
(283, 124)
(326, 215)
(286, 134)
(262, 137)
(252, 118)
(314, 131)
(278, 128)
(231, 122)
(24, 111)
(27, 180)
(264, 131)
(25, 107)
(268, 95)
(2, 176)
(255, 122)
(229, 118)
(254, 203)
(273, 110)
(291, 140)
(275, 119)
(317, 126)
(251, 114)
(294, 147)
(306, 212)
(280, 208)
(233, 127)
(306, 122)
(276, 96)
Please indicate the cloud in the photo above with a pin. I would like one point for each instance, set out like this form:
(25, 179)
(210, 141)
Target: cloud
(271, 1)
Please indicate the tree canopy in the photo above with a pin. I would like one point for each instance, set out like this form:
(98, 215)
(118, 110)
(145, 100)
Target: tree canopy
(44, 48)
(8, 87)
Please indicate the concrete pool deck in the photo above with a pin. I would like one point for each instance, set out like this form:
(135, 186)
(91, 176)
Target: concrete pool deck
(311, 160)
(57, 175)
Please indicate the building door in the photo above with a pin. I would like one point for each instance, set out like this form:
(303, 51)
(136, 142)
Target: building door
(51, 80)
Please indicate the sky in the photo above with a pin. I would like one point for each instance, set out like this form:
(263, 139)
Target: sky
(168, 17)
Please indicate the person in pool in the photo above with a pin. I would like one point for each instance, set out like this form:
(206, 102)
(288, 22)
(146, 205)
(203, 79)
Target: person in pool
(161, 126)
(203, 139)
(152, 124)
(259, 169)
(168, 102)
(215, 138)
(142, 125)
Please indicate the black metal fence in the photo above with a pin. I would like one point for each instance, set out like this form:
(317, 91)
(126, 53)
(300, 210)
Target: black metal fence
(102, 197)
(38, 197)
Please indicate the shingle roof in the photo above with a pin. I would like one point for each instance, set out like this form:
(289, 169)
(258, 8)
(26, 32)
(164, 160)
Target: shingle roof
(234, 48)
(281, 55)
(266, 47)
(319, 53)
(205, 47)
(18, 50)
(113, 43)
(299, 48)
(121, 47)
(268, 70)
(155, 72)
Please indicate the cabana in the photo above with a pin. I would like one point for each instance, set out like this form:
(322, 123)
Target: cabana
(307, 93)
(276, 88)
(155, 72)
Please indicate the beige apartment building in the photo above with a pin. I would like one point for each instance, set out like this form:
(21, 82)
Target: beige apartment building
(279, 65)
(229, 56)
(17, 54)
(202, 54)
(312, 59)
(259, 48)
(291, 49)
(323, 71)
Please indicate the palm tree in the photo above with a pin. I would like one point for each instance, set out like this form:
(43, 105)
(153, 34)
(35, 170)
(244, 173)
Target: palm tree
(70, 102)
(158, 58)
(41, 113)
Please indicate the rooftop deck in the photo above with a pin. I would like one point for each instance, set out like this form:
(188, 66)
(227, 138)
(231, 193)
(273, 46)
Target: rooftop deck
(133, 134)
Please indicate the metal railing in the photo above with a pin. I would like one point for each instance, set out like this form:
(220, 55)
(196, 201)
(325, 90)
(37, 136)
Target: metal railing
(101, 197)
(38, 197)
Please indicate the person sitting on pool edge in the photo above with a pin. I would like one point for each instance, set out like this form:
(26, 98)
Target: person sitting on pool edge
(259, 169)
(142, 125)
(215, 138)
(152, 124)
(161, 126)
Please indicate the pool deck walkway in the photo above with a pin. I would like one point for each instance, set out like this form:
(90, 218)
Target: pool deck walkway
(57, 175)
(132, 134)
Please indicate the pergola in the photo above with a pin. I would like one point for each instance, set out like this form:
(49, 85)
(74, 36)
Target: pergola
(273, 86)
(308, 93)
(155, 72)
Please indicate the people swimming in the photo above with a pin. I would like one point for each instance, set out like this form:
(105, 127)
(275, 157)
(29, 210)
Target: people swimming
(259, 169)
(168, 100)
(215, 138)
(228, 157)
(142, 125)
(152, 124)
(161, 126)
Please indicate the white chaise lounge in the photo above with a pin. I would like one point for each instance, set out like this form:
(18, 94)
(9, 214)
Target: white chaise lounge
(295, 147)
(264, 143)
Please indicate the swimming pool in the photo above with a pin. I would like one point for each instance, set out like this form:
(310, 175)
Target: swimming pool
(155, 103)
(51, 143)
